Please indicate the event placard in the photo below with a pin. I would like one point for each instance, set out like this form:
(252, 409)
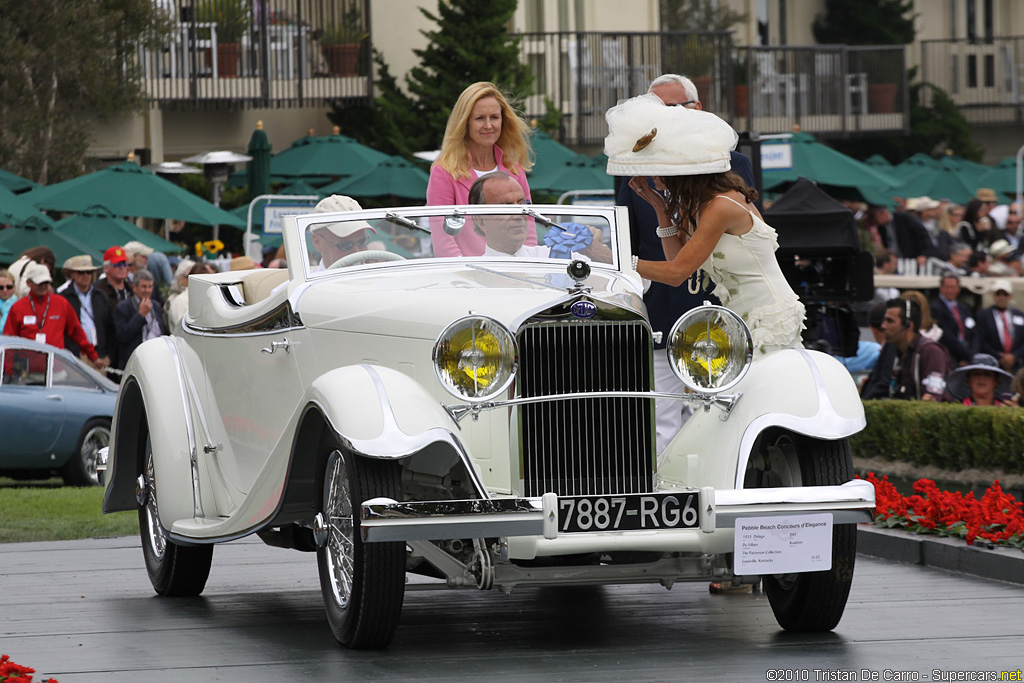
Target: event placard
(783, 545)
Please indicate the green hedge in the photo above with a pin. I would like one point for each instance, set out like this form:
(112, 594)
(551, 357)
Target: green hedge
(946, 435)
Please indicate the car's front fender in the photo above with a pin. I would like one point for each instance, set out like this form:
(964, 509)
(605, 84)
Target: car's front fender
(154, 393)
(806, 392)
(379, 412)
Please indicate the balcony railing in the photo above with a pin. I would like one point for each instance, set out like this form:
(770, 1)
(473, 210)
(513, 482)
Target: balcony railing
(985, 78)
(829, 90)
(267, 53)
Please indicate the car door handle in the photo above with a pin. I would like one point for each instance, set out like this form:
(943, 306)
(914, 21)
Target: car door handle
(274, 346)
(54, 397)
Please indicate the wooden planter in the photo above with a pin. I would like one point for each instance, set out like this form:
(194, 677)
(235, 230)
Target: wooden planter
(739, 100)
(881, 98)
(229, 55)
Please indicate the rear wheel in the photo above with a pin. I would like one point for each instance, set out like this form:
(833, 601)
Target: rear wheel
(174, 570)
(80, 470)
(809, 601)
(363, 584)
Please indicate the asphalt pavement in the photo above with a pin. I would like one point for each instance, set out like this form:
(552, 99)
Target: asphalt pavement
(84, 612)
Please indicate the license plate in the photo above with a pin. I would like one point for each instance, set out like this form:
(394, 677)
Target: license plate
(628, 512)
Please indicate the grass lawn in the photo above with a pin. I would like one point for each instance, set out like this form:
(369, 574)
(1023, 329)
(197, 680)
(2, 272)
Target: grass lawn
(47, 511)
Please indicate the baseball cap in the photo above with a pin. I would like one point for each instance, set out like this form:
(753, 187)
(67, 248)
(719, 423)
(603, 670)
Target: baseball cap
(37, 273)
(1002, 285)
(115, 255)
(340, 202)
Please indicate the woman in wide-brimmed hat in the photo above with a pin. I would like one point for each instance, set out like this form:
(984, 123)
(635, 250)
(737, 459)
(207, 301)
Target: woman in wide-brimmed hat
(706, 216)
(982, 383)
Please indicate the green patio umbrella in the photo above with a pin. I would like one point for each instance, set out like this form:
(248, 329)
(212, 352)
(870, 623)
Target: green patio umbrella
(838, 175)
(300, 187)
(548, 152)
(393, 177)
(258, 170)
(128, 190)
(943, 181)
(16, 209)
(914, 165)
(100, 229)
(579, 173)
(15, 183)
(328, 155)
(6, 255)
(878, 161)
(18, 239)
(1002, 177)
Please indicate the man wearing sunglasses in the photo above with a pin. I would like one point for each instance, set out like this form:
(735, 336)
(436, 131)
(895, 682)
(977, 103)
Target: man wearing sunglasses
(334, 241)
(115, 273)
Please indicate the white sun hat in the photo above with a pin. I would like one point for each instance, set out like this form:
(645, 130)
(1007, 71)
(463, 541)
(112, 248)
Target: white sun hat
(648, 138)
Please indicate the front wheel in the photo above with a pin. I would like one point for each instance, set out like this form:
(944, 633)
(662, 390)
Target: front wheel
(174, 570)
(811, 601)
(363, 584)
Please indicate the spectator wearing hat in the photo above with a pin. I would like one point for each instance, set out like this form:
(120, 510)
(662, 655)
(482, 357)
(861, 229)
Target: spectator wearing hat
(928, 211)
(46, 317)
(921, 364)
(243, 263)
(1005, 261)
(955, 319)
(138, 318)
(982, 383)
(1000, 330)
(908, 236)
(114, 282)
(7, 295)
(43, 255)
(91, 306)
(334, 241)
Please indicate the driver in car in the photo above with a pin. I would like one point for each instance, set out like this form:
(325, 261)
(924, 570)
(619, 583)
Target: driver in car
(336, 240)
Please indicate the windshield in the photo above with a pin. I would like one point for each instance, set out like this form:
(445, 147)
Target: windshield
(537, 233)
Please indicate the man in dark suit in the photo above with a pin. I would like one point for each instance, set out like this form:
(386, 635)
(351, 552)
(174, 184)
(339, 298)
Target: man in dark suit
(1001, 328)
(665, 303)
(115, 275)
(138, 318)
(956, 320)
(92, 308)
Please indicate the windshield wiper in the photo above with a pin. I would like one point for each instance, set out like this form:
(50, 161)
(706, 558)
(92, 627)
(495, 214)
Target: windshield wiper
(540, 218)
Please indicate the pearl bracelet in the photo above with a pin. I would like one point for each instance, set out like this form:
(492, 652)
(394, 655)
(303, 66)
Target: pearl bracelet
(670, 231)
(636, 259)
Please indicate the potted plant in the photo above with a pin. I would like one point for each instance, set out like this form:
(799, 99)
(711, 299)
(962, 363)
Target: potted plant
(231, 18)
(341, 43)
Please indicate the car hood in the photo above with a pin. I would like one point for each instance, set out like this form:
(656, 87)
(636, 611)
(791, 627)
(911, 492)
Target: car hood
(418, 302)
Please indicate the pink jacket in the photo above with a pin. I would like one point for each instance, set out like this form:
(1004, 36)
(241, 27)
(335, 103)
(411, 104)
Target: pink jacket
(443, 189)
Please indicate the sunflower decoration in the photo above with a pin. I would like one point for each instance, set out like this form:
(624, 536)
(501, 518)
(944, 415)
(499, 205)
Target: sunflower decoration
(209, 248)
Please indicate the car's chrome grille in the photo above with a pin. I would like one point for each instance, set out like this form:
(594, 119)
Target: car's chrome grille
(586, 446)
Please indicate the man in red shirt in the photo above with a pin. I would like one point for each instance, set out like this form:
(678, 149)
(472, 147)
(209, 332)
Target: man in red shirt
(46, 317)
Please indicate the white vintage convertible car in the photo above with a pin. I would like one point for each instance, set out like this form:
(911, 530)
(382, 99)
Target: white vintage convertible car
(481, 422)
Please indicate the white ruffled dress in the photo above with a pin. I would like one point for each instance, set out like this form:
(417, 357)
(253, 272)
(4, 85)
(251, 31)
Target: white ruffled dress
(750, 283)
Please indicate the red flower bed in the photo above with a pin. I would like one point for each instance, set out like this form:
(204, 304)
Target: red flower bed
(14, 673)
(997, 517)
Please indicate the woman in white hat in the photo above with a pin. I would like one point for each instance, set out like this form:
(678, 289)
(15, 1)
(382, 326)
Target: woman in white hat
(706, 214)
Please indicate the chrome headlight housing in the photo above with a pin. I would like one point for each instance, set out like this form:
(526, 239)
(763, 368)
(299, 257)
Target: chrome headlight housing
(475, 358)
(709, 349)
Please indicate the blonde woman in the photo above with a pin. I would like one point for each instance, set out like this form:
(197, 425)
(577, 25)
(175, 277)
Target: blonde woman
(484, 134)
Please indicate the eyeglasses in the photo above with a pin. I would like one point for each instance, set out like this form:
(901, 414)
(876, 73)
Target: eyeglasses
(683, 104)
(122, 264)
(6, 286)
(351, 244)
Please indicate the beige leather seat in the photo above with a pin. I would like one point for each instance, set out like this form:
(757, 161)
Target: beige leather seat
(257, 285)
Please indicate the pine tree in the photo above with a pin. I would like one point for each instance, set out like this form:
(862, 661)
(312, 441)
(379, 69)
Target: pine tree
(855, 22)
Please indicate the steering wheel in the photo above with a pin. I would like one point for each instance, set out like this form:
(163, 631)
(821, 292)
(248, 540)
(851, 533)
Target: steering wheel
(364, 256)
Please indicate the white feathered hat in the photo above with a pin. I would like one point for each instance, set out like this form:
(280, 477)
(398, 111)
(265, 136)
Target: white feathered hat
(648, 138)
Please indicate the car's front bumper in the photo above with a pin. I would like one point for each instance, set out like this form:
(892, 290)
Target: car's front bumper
(531, 524)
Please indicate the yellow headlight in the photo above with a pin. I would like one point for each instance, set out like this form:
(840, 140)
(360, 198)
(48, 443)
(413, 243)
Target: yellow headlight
(709, 348)
(475, 358)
